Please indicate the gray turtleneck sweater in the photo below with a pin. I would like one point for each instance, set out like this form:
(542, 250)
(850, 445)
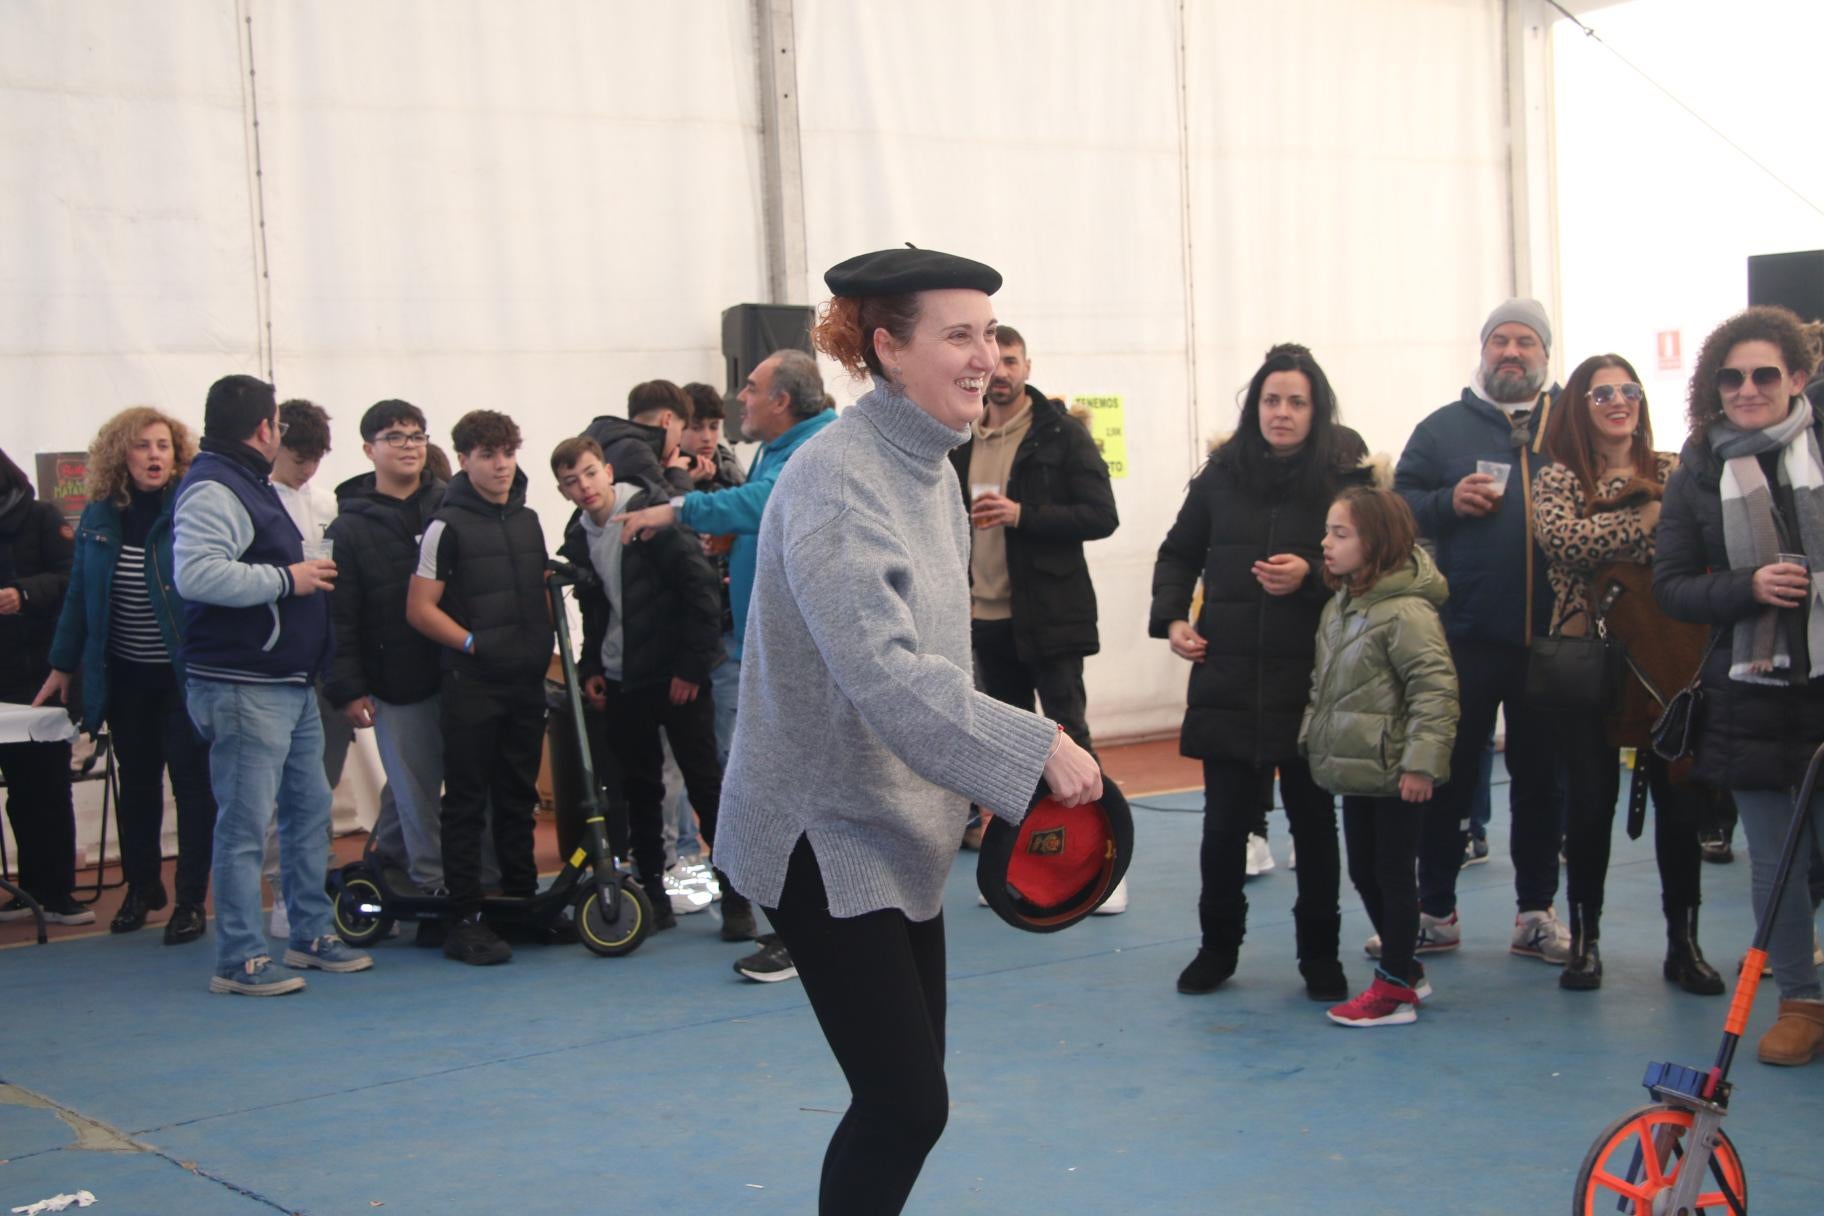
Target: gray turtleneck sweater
(859, 724)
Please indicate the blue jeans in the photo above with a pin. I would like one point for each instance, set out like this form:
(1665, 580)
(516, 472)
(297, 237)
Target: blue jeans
(265, 749)
(1766, 814)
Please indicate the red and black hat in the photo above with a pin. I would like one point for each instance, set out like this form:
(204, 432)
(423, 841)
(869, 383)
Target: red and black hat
(1058, 864)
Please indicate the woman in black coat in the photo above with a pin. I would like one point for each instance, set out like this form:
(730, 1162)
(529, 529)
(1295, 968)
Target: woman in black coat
(1251, 527)
(1741, 537)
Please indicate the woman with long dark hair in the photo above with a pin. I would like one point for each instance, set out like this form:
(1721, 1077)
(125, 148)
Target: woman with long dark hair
(1741, 538)
(122, 625)
(1251, 527)
(1598, 503)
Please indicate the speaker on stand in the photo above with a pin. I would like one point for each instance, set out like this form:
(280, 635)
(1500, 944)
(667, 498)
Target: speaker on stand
(751, 332)
(1790, 280)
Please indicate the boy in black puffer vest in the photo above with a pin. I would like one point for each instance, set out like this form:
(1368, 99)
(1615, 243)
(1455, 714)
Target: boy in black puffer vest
(651, 635)
(479, 593)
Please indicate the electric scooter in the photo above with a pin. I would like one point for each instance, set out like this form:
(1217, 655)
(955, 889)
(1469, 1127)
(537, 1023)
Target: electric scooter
(1673, 1158)
(612, 914)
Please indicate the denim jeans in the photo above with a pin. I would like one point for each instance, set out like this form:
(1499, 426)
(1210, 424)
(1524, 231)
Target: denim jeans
(338, 734)
(410, 827)
(265, 750)
(1765, 816)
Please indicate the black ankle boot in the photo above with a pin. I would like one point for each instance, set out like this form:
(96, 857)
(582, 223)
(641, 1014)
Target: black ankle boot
(1207, 972)
(139, 901)
(1685, 965)
(1583, 972)
(662, 915)
(737, 914)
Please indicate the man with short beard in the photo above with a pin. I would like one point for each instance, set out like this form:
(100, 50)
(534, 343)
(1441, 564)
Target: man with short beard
(1450, 474)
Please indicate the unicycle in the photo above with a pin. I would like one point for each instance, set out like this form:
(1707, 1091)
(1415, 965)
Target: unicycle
(1672, 1158)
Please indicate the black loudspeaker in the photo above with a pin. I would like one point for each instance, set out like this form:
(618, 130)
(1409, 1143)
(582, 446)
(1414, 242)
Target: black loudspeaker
(1790, 280)
(751, 332)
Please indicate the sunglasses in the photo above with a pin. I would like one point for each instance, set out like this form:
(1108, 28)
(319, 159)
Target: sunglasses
(1730, 379)
(1602, 394)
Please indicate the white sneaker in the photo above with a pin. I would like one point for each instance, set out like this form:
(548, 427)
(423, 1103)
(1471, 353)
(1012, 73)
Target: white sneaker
(1116, 903)
(697, 873)
(1436, 935)
(278, 921)
(686, 895)
(1543, 936)
(1260, 857)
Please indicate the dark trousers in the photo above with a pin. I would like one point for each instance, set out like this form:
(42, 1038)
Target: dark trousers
(1592, 783)
(568, 792)
(153, 734)
(1057, 682)
(1231, 799)
(492, 735)
(632, 719)
(1382, 836)
(876, 984)
(1491, 677)
(43, 818)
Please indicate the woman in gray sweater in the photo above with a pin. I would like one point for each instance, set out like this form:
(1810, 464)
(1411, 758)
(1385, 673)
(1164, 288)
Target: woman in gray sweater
(860, 740)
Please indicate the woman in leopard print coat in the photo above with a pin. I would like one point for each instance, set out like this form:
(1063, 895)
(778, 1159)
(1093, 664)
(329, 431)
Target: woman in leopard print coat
(1599, 503)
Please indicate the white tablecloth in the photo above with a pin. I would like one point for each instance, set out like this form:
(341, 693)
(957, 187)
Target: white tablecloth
(23, 724)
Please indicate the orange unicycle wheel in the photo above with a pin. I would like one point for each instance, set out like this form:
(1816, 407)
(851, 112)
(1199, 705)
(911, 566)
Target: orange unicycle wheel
(1636, 1161)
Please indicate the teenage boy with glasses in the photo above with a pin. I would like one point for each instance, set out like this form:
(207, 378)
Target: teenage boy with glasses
(385, 674)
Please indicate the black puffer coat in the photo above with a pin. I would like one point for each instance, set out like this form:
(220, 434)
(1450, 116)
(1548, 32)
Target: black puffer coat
(1750, 736)
(634, 451)
(1248, 695)
(671, 603)
(376, 538)
(497, 591)
(36, 548)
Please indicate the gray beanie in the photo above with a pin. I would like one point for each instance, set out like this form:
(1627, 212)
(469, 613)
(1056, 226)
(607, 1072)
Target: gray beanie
(1530, 313)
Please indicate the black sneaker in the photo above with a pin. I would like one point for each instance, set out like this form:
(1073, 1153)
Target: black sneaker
(432, 933)
(186, 924)
(1715, 849)
(471, 941)
(769, 964)
(67, 911)
(15, 909)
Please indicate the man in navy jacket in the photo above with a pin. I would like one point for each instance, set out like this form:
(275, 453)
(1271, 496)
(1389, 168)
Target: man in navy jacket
(1466, 473)
(256, 636)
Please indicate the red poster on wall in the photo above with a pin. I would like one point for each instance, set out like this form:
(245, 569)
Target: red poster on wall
(63, 478)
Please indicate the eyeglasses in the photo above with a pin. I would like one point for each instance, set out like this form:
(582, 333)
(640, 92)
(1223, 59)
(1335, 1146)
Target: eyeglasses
(1730, 379)
(1630, 392)
(404, 439)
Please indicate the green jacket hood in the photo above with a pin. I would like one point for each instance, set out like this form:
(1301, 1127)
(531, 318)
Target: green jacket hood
(1419, 577)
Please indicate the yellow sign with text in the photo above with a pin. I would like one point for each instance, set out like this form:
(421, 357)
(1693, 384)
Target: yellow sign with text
(1107, 427)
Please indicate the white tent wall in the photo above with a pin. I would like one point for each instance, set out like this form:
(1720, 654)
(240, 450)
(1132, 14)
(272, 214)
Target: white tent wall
(532, 207)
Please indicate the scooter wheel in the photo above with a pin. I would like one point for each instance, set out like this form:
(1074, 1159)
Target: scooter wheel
(620, 935)
(359, 918)
(1636, 1160)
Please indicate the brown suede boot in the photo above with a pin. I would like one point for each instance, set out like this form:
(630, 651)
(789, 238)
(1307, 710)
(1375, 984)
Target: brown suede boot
(1796, 1036)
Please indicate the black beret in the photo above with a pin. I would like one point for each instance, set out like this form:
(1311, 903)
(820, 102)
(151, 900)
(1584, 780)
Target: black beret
(1059, 863)
(898, 272)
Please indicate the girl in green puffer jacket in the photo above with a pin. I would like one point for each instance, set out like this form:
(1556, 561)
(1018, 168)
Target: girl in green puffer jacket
(1380, 725)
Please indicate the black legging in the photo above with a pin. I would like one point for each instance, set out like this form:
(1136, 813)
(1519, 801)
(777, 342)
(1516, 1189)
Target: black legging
(1231, 801)
(1592, 781)
(876, 983)
(1382, 836)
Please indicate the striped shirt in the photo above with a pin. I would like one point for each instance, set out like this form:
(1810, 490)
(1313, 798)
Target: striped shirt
(132, 629)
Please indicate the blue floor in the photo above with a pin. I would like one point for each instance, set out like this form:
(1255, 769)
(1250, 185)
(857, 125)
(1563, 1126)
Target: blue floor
(1081, 1081)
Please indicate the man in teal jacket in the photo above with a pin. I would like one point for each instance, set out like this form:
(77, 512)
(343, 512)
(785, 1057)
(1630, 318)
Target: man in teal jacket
(783, 405)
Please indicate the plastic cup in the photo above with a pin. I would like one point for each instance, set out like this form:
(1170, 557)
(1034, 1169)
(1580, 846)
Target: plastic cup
(1496, 470)
(1793, 559)
(976, 490)
(319, 550)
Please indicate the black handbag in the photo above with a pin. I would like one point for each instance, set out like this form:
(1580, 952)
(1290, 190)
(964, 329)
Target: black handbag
(1674, 732)
(1575, 673)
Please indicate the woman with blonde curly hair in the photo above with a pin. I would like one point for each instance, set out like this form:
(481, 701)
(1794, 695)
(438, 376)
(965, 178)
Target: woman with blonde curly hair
(121, 627)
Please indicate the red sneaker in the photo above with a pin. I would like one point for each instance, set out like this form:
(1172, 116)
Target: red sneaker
(1384, 1004)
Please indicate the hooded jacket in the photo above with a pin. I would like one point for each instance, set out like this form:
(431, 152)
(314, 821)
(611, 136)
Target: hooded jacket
(636, 453)
(1061, 483)
(35, 553)
(1245, 699)
(1384, 689)
(1499, 591)
(671, 606)
(737, 513)
(85, 626)
(1749, 736)
(376, 537)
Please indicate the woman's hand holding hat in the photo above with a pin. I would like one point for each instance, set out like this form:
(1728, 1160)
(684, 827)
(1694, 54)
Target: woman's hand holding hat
(1072, 773)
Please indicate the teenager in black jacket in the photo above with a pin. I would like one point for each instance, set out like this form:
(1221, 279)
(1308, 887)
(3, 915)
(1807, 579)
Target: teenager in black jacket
(1251, 527)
